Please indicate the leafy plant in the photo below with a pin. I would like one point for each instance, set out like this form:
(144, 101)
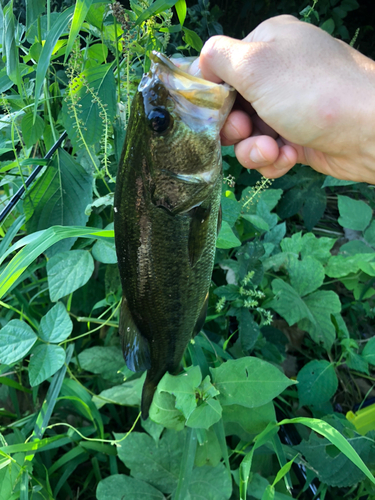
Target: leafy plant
(287, 348)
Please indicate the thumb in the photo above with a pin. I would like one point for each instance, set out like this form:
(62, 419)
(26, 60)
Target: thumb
(232, 61)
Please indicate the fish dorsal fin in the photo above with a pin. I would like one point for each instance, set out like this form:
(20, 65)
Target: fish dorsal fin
(200, 218)
(134, 346)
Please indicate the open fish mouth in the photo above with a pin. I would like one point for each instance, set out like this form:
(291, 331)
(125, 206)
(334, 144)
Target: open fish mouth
(198, 102)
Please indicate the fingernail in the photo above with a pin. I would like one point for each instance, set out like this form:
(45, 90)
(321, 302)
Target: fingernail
(256, 156)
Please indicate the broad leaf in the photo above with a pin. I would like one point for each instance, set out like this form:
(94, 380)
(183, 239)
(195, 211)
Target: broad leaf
(56, 325)
(31, 132)
(317, 383)
(68, 271)
(205, 415)
(33, 9)
(103, 360)
(249, 382)
(127, 394)
(59, 197)
(368, 352)
(119, 486)
(306, 275)
(45, 360)
(16, 339)
(158, 464)
(226, 237)
(246, 422)
(354, 214)
(210, 483)
(339, 266)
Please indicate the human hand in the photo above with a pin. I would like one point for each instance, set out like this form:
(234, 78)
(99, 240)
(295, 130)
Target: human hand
(305, 97)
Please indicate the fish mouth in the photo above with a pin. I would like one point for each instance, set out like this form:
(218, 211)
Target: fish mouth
(198, 102)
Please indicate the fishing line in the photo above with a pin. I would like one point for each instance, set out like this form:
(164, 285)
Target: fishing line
(17, 196)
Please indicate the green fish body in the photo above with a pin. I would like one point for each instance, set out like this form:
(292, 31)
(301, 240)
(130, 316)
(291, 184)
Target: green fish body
(167, 204)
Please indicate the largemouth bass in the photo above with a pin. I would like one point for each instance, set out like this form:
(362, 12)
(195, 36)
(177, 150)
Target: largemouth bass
(167, 203)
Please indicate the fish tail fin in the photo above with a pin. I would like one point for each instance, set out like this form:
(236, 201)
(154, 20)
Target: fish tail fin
(148, 392)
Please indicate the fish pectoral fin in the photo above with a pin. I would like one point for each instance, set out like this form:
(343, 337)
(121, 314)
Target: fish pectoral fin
(200, 218)
(135, 347)
(201, 318)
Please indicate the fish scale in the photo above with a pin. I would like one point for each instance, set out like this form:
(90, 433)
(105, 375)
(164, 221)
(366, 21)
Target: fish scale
(167, 203)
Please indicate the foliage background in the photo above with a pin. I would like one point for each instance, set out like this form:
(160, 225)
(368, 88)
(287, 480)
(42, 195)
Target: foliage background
(69, 407)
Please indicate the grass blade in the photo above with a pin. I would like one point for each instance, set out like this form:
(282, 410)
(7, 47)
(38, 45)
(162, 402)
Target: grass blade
(187, 464)
(335, 438)
(81, 9)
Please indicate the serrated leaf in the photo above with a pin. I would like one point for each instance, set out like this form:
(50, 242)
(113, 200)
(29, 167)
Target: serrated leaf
(68, 271)
(319, 248)
(32, 131)
(317, 382)
(226, 238)
(249, 382)
(16, 339)
(158, 464)
(45, 360)
(119, 486)
(306, 275)
(293, 244)
(368, 352)
(59, 197)
(354, 214)
(285, 295)
(56, 325)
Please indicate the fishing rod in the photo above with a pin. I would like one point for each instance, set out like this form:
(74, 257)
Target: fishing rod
(17, 196)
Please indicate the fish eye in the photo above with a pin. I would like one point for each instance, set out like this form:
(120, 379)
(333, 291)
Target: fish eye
(159, 119)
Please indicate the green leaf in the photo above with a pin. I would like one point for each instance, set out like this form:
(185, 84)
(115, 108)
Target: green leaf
(328, 26)
(45, 360)
(68, 271)
(183, 387)
(248, 329)
(16, 339)
(105, 250)
(205, 415)
(37, 243)
(81, 9)
(209, 451)
(339, 265)
(368, 352)
(249, 382)
(313, 312)
(155, 8)
(257, 222)
(246, 422)
(58, 28)
(226, 238)
(59, 197)
(336, 470)
(231, 210)
(10, 49)
(127, 394)
(332, 182)
(318, 248)
(317, 383)
(192, 39)
(56, 325)
(321, 305)
(33, 10)
(163, 411)
(101, 81)
(158, 464)
(210, 483)
(32, 131)
(293, 244)
(119, 486)
(369, 234)
(181, 10)
(354, 214)
(306, 275)
(105, 361)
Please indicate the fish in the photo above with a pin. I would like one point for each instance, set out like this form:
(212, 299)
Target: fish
(167, 216)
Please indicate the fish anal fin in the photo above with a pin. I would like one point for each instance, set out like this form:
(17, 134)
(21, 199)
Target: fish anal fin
(134, 346)
(200, 218)
(201, 318)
